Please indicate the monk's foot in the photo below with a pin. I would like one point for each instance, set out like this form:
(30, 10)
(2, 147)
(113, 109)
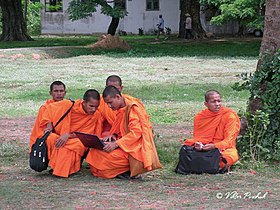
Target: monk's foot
(125, 175)
(139, 177)
(51, 171)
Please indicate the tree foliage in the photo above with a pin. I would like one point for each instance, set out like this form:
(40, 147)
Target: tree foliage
(34, 18)
(79, 9)
(248, 13)
(262, 140)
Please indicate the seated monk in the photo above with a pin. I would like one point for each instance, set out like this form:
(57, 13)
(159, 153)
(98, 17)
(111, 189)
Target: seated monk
(108, 114)
(216, 127)
(64, 148)
(130, 146)
(58, 92)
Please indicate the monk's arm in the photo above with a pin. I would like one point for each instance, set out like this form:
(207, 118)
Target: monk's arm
(231, 130)
(135, 131)
(191, 142)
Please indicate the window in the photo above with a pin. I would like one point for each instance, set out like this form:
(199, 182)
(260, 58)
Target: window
(53, 5)
(152, 5)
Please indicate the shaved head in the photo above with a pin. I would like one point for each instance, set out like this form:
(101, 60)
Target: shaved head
(91, 93)
(209, 93)
(56, 83)
(111, 91)
(114, 79)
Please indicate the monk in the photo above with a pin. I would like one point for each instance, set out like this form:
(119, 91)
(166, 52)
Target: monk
(130, 148)
(108, 114)
(58, 92)
(216, 127)
(64, 148)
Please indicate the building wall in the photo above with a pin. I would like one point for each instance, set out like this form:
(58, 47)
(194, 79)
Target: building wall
(138, 17)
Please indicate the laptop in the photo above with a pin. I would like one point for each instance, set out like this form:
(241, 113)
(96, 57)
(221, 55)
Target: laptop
(90, 140)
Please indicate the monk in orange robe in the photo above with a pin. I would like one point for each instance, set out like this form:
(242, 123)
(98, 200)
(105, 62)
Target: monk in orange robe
(58, 92)
(130, 146)
(64, 148)
(108, 114)
(216, 127)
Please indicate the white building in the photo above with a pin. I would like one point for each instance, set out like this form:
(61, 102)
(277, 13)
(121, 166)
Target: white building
(141, 14)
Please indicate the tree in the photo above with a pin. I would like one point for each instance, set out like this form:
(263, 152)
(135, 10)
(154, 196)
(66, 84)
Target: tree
(79, 9)
(271, 38)
(13, 22)
(193, 8)
(262, 138)
(248, 13)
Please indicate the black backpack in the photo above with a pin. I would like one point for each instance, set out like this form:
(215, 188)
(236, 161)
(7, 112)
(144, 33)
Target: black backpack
(38, 157)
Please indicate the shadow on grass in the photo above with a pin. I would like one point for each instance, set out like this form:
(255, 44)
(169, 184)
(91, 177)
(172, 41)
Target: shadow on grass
(148, 47)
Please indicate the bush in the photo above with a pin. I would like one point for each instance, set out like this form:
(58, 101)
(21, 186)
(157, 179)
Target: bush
(168, 30)
(34, 18)
(261, 142)
(140, 31)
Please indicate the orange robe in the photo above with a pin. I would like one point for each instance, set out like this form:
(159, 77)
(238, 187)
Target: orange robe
(109, 115)
(135, 140)
(67, 159)
(37, 130)
(220, 128)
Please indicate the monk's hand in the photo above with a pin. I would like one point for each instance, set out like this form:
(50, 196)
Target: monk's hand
(49, 127)
(110, 146)
(198, 146)
(208, 147)
(110, 138)
(61, 141)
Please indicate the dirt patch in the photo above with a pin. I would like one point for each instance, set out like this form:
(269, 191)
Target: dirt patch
(20, 128)
(16, 129)
(109, 42)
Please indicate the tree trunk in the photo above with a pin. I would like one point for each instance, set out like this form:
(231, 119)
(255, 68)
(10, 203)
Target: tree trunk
(113, 26)
(270, 43)
(193, 8)
(13, 23)
(182, 18)
(271, 36)
(26, 2)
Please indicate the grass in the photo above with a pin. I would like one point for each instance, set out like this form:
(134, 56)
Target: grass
(145, 46)
(170, 78)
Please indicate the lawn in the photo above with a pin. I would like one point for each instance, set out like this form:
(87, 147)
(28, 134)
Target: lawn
(170, 78)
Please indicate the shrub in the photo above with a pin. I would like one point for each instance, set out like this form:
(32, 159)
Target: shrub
(168, 30)
(34, 18)
(262, 139)
(140, 31)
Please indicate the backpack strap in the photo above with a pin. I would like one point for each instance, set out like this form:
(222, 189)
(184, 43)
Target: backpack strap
(63, 116)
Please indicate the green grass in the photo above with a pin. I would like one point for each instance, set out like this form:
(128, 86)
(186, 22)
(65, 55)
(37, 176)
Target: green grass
(145, 46)
(51, 42)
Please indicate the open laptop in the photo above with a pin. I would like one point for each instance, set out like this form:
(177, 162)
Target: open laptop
(90, 140)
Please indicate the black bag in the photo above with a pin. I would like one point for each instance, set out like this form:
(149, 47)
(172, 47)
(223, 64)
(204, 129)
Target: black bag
(192, 161)
(38, 157)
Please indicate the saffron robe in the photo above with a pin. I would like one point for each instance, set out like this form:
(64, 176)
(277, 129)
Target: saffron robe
(135, 141)
(219, 128)
(37, 130)
(109, 115)
(67, 159)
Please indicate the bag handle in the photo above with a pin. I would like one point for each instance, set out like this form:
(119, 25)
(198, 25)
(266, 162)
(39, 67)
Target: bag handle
(224, 169)
(63, 116)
